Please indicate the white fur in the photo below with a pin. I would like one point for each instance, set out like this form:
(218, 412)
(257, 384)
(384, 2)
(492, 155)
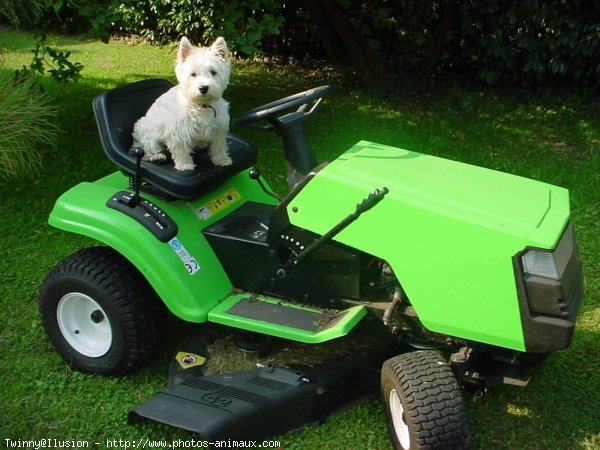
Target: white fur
(183, 118)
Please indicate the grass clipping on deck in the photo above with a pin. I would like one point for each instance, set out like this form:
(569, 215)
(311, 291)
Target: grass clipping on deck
(225, 357)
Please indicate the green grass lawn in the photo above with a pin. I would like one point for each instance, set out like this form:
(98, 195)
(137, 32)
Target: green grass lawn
(541, 136)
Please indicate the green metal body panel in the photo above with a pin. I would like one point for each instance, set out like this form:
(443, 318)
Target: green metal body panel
(83, 210)
(351, 317)
(449, 230)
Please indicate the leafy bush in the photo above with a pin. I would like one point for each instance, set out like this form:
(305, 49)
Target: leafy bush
(22, 12)
(25, 121)
(243, 24)
(529, 41)
(49, 60)
(96, 18)
(497, 41)
(25, 111)
(103, 16)
(523, 42)
(399, 31)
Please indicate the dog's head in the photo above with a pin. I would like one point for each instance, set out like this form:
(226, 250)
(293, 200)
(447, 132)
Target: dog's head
(203, 72)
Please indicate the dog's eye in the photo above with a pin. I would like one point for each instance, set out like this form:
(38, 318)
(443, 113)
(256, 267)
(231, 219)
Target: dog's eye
(213, 72)
(193, 74)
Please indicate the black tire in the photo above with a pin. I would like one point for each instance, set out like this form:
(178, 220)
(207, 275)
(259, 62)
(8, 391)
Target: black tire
(127, 318)
(424, 408)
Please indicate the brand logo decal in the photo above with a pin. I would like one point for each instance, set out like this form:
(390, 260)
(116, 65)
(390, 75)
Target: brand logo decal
(216, 400)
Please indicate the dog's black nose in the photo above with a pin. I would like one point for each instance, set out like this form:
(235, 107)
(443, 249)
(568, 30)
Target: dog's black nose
(203, 89)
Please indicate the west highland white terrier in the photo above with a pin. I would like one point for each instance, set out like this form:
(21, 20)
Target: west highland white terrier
(192, 114)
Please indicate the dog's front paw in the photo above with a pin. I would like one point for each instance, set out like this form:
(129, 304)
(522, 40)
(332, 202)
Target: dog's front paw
(155, 157)
(184, 166)
(221, 160)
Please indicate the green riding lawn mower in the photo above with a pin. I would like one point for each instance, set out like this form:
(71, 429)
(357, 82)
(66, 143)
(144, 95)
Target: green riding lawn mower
(424, 275)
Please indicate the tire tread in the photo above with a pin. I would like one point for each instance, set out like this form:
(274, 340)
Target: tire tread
(140, 308)
(433, 399)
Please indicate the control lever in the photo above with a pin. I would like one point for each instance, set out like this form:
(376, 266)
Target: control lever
(138, 153)
(255, 175)
(361, 208)
(140, 209)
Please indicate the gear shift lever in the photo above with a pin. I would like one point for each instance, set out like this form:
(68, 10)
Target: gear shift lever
(138, 153)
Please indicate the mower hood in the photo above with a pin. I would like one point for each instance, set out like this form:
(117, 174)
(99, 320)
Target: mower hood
(492, 199)
(449, 230)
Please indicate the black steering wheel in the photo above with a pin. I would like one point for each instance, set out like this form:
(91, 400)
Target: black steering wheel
(270, 111)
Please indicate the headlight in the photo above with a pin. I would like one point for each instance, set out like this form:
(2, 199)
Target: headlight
(551, 276)
(540, 263)
(548, 263)
(550, 288)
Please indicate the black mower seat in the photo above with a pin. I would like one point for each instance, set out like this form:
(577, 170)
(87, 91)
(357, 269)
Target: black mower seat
(116, 112)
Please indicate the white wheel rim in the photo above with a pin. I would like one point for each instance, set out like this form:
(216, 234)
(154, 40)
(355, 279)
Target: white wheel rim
(84, 324)
(398, 419)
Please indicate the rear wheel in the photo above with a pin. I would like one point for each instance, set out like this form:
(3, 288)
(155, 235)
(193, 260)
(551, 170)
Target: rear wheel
(424, 408)
(100, 312)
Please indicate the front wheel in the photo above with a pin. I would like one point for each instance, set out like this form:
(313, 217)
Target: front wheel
(424, 408)
(100, 312)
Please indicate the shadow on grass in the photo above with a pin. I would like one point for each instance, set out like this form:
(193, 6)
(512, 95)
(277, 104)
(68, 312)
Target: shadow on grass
(559, 409)
(24, 41)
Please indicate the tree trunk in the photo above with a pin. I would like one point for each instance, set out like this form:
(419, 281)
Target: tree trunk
(339, 33)
(442, 35)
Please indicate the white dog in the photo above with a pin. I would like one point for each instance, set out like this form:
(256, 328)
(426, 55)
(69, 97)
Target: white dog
(193, 113)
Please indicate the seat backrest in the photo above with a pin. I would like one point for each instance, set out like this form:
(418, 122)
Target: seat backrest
(117, 111)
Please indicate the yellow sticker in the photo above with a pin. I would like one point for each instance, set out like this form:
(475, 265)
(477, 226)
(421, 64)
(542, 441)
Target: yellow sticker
(187, 360)
(218, 204)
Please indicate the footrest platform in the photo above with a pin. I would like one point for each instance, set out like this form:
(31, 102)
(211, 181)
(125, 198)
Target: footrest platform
(286, 320)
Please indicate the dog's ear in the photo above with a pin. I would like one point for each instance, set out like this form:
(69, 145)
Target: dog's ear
(219, 48)
(185, 48)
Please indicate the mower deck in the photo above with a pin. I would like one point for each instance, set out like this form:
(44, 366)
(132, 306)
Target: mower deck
(267, 401)
(243, 405)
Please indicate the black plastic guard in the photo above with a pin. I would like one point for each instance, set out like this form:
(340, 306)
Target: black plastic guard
(243, 405)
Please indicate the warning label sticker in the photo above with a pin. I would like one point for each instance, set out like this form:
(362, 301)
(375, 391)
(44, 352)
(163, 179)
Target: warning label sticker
(187, 360)
(190, 263)
(218, 204)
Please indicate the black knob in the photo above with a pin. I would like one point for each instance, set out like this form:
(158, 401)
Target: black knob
(137, 152)
(254, 174)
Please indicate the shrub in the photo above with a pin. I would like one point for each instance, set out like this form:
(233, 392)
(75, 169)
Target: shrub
(26, 117)
(23, 12)
(243, 24)
(49, 60)
(531, 41)
(524, 42)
